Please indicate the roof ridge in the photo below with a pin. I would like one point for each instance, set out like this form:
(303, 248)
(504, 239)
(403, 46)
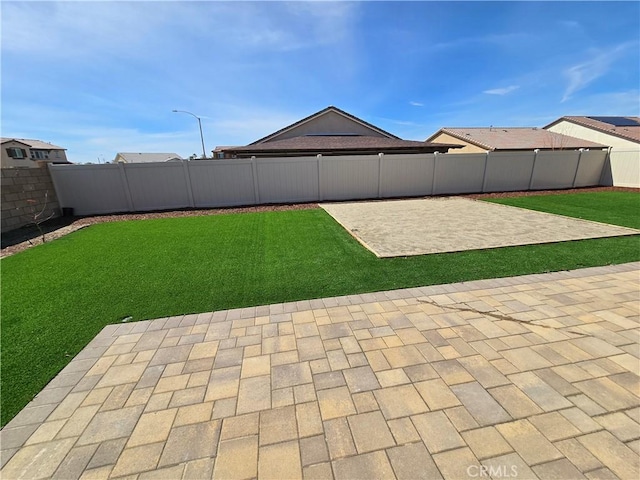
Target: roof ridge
(512, 138)
(33, 143)
(491, 127)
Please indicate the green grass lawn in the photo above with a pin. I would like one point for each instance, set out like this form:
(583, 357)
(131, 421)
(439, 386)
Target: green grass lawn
(56, 297)
(616, 208)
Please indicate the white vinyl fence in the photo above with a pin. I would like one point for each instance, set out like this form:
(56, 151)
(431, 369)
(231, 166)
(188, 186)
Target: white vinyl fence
(101, 189)
(625, 168)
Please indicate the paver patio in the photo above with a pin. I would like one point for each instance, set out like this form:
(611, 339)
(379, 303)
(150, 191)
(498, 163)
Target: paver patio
(525, 377)
(437, 225)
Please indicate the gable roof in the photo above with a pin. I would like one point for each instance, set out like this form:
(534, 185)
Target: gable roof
(338, 144)
(515, 138)
(37, 144)
(330, 109)
(130, 157)
(611, 125)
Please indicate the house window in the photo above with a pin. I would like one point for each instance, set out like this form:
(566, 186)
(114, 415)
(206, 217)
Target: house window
(39, 154)
(17, 152)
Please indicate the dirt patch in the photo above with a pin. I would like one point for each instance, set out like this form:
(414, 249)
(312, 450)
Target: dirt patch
(533, 193)
(24, 238)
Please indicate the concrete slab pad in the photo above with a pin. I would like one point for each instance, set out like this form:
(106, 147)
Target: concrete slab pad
(437, 225)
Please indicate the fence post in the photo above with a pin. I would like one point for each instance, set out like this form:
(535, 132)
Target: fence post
(380, 158)
(484, 174)
(575, 175)
(187, 181)
(125, 185)
(320, 192)
(533, 167)
(256, 185)
(433, 177)
(603, 174)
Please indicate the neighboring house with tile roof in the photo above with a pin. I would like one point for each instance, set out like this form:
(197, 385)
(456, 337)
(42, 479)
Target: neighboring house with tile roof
(124, 157)
(620, 133)
(330, 131)
(502, 139)
(26, 152)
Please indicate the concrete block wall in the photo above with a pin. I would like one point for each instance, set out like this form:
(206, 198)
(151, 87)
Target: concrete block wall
(23, 192)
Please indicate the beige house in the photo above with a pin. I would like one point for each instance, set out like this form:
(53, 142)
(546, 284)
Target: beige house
(123, 157)
(620, 133)
(505, 139)
(24, 152)
(328, 132)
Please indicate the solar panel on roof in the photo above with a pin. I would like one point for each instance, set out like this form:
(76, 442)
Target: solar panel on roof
(617, 121)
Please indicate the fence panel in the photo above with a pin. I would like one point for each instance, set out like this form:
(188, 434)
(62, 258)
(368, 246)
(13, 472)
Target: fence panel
(99, 189)
(90, 189)
(625, 168)
(590, 168)
(222, 183)
(349, 177)
(287, 179)
(508, 171)
(157, 186)
(459, 173)
(406, 175)
(554, 169)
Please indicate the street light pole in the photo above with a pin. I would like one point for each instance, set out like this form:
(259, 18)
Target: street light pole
(204, 154)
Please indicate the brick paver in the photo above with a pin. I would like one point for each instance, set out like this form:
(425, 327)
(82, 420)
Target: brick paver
(390, 229)
(525, 377)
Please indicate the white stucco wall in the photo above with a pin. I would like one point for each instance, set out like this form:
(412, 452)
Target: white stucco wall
(624, 159)
(578, 131)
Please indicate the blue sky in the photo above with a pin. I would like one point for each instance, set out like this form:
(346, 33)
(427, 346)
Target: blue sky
(103, 77)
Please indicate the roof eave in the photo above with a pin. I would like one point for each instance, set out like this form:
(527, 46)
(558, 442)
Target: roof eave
(15, 140)
(430, 148)
(555, 122)
(471, 141)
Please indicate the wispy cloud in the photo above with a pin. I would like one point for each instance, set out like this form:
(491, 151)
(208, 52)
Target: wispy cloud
(497, 39)
(95, 143)
(416, 104)
(502, 91)
(278, 26)
(87, 136)
(598, 65)
(608, 103)
(570, 23)
(244, 125)
(75, 29)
